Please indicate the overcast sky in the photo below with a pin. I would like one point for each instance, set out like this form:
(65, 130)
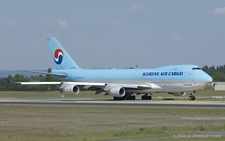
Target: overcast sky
(113, 33)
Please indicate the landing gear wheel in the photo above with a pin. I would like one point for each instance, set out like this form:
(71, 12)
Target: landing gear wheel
(191, 97)
(145, 97)
(133, 97)
(118, 98)
(127, 96)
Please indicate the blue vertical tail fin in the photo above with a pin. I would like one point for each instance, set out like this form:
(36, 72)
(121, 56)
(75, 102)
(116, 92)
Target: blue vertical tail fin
(61, 59)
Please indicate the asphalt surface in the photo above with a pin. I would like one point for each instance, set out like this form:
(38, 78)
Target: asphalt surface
(92, 102)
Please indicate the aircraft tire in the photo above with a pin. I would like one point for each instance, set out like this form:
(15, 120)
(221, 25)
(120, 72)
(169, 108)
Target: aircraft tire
(118, 98)
(191, 97)
(144, 97)
(130, 98)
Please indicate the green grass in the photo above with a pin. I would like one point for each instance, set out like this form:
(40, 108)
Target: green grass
(140, 133)
(90, 123)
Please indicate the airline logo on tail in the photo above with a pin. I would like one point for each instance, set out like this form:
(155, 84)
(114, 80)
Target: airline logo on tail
(58, 56)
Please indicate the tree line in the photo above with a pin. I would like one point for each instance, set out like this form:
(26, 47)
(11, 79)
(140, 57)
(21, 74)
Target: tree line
(5, 86)
(217, 73)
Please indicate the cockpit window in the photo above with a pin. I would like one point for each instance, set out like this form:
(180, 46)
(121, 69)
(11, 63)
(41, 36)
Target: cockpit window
(196, 68)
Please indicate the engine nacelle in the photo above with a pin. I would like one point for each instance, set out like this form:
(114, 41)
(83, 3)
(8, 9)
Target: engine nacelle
(71, 89)
(117, 92)
(178, 93)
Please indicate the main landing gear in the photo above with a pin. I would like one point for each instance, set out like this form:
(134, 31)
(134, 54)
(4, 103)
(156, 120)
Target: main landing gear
(126, 97)
(131, 97)
(146, 97)
(191, 97)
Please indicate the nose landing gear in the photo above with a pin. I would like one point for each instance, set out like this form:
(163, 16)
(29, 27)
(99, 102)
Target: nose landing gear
(191, 97)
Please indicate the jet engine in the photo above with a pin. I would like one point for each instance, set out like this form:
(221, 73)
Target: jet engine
(117, 92)
(71, 89)
(178, 93)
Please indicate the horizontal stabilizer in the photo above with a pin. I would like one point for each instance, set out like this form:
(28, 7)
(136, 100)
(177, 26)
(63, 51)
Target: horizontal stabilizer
(54, 74)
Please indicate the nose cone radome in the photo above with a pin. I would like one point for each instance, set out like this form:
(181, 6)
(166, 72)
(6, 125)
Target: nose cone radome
(208, 78)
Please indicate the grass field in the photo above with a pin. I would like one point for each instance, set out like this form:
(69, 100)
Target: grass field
(46, 122)
(90, 123)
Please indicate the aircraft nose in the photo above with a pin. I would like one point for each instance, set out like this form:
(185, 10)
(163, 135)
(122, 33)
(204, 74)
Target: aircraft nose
(208, 78)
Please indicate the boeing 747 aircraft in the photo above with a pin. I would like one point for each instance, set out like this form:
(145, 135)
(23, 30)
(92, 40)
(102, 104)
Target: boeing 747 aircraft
(122, 84)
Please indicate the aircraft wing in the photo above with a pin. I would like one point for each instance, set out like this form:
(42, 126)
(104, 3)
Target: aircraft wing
(114, 89)
(95, 84)
(39, 83)
(63, 83)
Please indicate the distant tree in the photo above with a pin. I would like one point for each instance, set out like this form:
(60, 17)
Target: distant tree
(218, 76)
(4, 86)
(217, 73)
(50, 78)
(205, 69)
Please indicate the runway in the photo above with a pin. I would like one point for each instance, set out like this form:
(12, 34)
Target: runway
(92, 102)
